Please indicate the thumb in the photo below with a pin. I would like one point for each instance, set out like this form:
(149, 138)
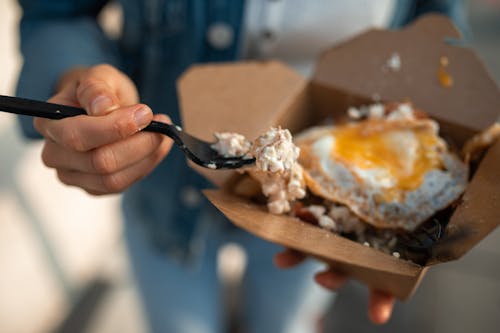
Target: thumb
(97, 97)
(103, 89)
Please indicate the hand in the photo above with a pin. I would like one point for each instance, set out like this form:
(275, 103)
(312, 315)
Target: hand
(102, 153)
(380, 304)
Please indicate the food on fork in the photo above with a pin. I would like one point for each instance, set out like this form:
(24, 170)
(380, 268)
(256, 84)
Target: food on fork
(276, 167)
(230, 144)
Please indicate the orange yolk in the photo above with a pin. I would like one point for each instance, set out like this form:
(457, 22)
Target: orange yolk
(366, 148)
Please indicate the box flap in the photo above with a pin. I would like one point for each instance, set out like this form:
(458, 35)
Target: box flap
(246, 98)
(359, 66)
(293, 233)
(477, 215)
(377, 269)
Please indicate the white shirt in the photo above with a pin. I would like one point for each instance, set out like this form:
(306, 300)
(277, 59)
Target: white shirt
(296, 31)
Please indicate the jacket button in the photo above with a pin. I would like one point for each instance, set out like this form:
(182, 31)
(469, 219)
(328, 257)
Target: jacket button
(190, 197)
(220, 35)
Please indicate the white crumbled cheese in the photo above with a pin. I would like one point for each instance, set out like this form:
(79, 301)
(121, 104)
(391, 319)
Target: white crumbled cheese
(296, 186)
(354, 113)
(275, 151)
(394, 62)
(339, 212)
(396, 254)
(277, 170)
(231, 144)
(317, 210)
(366, 244)
(405, 108)
(327, 223)
(276, 187)
(278, 206)
(345, 220)
(376, 111)
(324, 221)
(276, 166)
(403, 112)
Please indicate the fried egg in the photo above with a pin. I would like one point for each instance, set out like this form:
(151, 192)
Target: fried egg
(391, 171)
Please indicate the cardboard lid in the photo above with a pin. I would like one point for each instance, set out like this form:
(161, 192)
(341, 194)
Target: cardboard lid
(246, 98)
(359, 66)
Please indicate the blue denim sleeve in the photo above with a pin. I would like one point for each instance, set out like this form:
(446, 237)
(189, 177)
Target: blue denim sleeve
(56, 36)
(406, 11)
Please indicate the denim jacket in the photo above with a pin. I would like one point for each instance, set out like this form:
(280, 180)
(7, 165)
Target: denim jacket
(160, 39)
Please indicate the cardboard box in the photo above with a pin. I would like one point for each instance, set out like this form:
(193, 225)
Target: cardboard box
(250, 97)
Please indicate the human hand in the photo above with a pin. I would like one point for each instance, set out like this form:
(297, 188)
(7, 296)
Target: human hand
(380, 304)
(104, 152)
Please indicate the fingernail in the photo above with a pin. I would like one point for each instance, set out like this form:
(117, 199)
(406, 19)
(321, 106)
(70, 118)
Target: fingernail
(101, 105)
(142, 117)
(384, 315)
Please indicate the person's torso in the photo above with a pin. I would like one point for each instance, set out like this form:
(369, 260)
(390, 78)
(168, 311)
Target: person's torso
(162, 38)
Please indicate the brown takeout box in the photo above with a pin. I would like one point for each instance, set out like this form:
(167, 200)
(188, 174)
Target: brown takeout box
(250, 97)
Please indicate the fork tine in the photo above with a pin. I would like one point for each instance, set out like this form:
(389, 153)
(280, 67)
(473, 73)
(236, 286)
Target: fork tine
(235, 158)
(222, 164)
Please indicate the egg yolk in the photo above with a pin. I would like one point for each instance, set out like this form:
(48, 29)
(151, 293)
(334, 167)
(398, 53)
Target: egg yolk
(405, 154)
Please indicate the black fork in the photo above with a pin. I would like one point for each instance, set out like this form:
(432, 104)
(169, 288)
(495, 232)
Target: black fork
(198, 151)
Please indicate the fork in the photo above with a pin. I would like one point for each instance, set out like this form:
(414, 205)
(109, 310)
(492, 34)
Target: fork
(198, 151)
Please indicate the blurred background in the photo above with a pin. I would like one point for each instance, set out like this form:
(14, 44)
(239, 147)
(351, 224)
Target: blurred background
(64, 269)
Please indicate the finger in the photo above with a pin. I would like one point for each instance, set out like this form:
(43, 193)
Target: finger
(288, 258)
(115, 182)
(65, 96)
(83, 133)
(106, 159)
(380, 306)
(103, 89)
(95, 193)
(330, 279)
(66, 87)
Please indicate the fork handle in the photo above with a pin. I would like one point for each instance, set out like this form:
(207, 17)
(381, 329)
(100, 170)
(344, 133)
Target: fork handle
(33, 108)
(29, 107)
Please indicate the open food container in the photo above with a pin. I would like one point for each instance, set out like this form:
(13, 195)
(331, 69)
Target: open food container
(251, 97)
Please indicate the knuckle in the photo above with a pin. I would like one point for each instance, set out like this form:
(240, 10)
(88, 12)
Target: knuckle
(104, 68)
(124, 127)
(72, 139)
(160, 153)
(64, 178)
(113, 183)
(166, 145)
(94, 193)
(47, 156)
(104, 160)
(105, 71)
(37, 124)
(163, 118)
(154, 141)
(88, 85)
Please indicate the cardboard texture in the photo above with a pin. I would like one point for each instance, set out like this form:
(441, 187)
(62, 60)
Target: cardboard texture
(250, 97)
